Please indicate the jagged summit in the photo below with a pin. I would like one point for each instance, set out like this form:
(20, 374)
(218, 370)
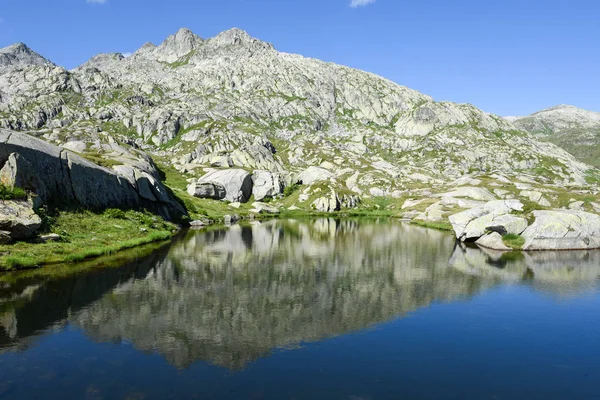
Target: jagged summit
(20, 55)
(177, 45)
(236, 36)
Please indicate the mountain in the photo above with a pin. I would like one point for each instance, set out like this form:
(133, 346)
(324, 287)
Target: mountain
(352, 138)
(19, 55)
(574, 129)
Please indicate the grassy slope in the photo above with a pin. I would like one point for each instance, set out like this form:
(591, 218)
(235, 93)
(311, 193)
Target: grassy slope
(86, 235)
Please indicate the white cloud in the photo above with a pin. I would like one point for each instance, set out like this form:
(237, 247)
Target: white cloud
(361, 3)
(95, 1)
(127, 55)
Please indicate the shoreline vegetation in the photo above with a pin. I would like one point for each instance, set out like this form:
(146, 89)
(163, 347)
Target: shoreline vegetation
(81, 235)
(84, 235)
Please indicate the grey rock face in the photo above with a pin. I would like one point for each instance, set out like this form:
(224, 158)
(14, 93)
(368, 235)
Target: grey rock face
(63, 177)
(233, 101)
(563, 230)
(232, 185)
(473, 223)
(266, 184)
(19, 219)
(18, 172)
(327, 203)
(19, 55)
(493, 241)
(313, 174)
(207, 190)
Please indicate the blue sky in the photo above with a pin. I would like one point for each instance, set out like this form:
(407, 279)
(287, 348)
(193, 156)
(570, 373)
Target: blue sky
(510, 57)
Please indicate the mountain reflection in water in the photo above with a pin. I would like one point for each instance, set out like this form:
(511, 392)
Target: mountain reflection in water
(230, 296)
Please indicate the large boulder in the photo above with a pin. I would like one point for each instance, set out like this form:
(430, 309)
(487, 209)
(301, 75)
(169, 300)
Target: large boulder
(473, 223)
(18, 172)
(266, 184)
(505, 223)
(62, 178)
(207, 190)
(493, 241)
(19, 219)
(563, 230)
(231, 185)
(314, 174)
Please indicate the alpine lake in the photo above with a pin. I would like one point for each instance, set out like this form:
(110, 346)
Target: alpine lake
(306, 309)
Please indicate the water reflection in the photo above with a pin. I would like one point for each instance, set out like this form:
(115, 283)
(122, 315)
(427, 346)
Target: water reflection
(231, 296)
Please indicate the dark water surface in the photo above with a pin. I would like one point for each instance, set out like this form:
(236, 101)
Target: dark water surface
(308, 309)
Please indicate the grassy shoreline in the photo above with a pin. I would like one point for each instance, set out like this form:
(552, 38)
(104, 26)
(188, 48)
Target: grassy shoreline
(87, 235)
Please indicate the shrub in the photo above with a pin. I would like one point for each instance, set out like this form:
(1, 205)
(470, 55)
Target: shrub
(11, 193)
(289, 190)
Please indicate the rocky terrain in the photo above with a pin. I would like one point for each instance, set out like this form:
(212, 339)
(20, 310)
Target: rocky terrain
(574, 129)
(240, 122)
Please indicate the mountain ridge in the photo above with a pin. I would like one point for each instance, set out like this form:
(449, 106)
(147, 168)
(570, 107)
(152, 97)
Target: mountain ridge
(349, 137)
(575, 129)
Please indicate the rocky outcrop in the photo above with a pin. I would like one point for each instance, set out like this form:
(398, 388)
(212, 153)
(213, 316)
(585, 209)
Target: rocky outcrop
(493, 241)
(314, 174)
(60, 177)
(17, 220)
(266, 184)
(563, 230)
(472, 224)
(233, 185)
(551, 230)
(327, 203)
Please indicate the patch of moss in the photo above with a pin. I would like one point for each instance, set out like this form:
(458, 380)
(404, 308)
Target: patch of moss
(513, 241)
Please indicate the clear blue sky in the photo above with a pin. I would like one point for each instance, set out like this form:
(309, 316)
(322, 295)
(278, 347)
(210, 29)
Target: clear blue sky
(510, 57)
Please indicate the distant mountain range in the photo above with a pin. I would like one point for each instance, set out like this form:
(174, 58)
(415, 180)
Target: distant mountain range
(574, 129)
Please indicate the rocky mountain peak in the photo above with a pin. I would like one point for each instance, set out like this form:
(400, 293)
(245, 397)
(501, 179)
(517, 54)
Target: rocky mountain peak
(20, 55)
(177, 45)
(558, 108)
(236, 36)
(100, 60)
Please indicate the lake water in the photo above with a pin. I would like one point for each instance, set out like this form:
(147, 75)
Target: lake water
(307, 309)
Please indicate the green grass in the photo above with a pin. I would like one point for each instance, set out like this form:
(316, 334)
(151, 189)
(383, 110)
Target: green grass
(86, 235)
(289, 190)
(513, 241)
(11, 193)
